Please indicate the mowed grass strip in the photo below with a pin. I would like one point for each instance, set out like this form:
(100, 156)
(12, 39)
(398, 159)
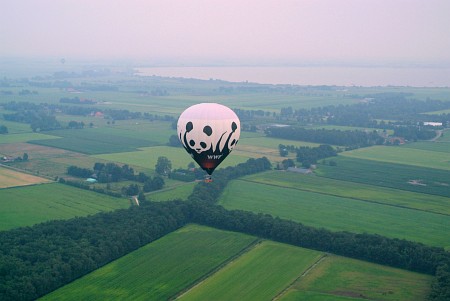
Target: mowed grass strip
(29, 205)
(338, 213)
(147, 157)
(11, 178)
(398, 176)
(359, 191)
(260, 274)
(340, 278)
(160, 269)
(403, 155)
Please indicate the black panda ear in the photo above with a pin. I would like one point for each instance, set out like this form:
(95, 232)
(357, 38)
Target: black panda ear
(207, 130)
(234, 126)
(189, 126)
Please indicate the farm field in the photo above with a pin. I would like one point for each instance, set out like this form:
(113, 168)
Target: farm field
(15, 127)
(180, 191)
(148, 156)
(24, 137)
(430, 146)
(11, 178)
(29, 205)
(48, 161)
(359, 191)
(338, 213)
(403, 155)
(260, 274)
(159, 270)
(340, 278)
(90, 141)
(406, 177)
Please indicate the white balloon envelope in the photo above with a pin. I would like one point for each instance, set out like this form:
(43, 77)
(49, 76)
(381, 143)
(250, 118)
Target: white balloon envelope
(208, 132)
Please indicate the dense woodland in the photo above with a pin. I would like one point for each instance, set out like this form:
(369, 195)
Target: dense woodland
(36, 260)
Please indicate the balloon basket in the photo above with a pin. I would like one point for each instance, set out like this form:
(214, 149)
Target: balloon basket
(208, 179)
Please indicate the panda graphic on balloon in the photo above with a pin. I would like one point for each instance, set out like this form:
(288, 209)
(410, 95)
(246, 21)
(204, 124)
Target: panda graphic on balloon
(208, 132)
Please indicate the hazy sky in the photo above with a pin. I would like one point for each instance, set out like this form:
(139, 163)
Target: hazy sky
(279, 30)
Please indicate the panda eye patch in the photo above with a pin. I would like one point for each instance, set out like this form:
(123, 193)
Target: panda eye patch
(189, 126)
(203, 144)
(207, 130)
(192, 142)
(234, 126)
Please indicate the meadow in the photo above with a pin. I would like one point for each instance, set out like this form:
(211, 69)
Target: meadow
(339, 278)
(358, 191)
(148, 156)
(338, 213)
(159, 270)
(24, 137)
(430, 146)
(260, 274)
(403, 155)
(178, 191)
(92, 141)
(29, 205)
(11, 178)
(399, 176)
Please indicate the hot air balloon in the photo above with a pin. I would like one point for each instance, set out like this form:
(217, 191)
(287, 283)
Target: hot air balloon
(208, 132)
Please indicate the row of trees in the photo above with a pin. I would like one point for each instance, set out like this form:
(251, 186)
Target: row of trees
(349, 139)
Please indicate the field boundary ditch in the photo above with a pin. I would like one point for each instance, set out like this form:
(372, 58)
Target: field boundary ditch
(200, 280)
(348, 197)
(305, 272)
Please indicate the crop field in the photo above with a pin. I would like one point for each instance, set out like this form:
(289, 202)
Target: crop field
(160, 269)
(398, 176)
(24, 137)
(339, 278)
(45, 160)
(29, 205)
(430, 146)
(358, 191)
(338, 213)
(180, 191)
(445, 136)
(15, 127)
(148, 156)
(11, 178)
(403, 155)
(260, 274)
(93, 141)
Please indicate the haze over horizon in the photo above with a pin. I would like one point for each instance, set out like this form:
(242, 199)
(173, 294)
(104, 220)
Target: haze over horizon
(374, 32)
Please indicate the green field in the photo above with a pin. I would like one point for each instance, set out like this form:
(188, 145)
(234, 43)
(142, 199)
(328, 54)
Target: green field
(430, 146)
(180, 191)
(29, 205)
(339, 278)
(338, 213)
(15, 127)
(359, 191)
(403, 155)
(24, 137)
(148, 156)
(160, 269)
(260, 274)
(93, 141)
(385, 174)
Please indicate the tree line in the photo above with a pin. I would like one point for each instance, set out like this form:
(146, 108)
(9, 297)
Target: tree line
(349, 139)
